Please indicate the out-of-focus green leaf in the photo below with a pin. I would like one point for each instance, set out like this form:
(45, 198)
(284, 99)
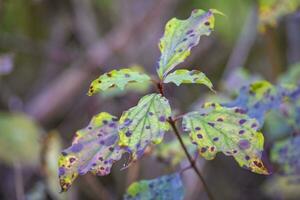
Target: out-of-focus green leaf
(94, 149)
(180, 36)
(292, 76)
(117, 78)
(130, 87)
(226, 130)
(164, 187)
(271, 10)
(19, 139)
(286, 154)
(256, 99)
(144, 124)
(52, 151)
(276, 126)
(185, 76)
(282, 187)
(172, 152)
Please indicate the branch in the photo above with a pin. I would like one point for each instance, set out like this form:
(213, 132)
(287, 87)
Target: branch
(192, 162)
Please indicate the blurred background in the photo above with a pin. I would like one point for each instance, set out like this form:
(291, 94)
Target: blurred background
(50, 51)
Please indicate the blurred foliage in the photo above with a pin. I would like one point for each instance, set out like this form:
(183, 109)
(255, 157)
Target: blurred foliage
(164, 187)
(20, 139)
(271, 10)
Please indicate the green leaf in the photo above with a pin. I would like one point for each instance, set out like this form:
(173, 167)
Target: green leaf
(226, 130)
(164, 187)
(117, 78)
(172, 153)
(136, 87)
(143, 124)
(180, 36)
(185, 76)
(286, 154)
(19, 139)
(292, 76)
(94, 149)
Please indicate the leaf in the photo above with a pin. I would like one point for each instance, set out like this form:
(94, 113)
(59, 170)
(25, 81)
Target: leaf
(52, 150)
(172, 153)
(229, 131)
(180, 36)
(164, 187)
(136, 87)
(117, 78)
(271, 10)
(143, 124)
(286, 154)
(237, 79)
(256, 99)
(19, 139)
(185, 76)
(94, 149)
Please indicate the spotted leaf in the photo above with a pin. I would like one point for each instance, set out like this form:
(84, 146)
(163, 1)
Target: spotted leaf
(144, 124)
(286, 154)
(117, 78)
(94, 149)
(171, 152)
(220, 129)
(185, 76)
(164, 187)
(180, 36)
(256, 99)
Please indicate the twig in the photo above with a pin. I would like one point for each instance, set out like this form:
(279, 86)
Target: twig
(192, 162)
(19, 181)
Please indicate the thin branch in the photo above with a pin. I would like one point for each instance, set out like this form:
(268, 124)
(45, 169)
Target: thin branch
(192, 162)
(19, 181)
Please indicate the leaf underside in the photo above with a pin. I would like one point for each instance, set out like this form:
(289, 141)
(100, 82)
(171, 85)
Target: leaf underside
(117, 78)
(185, 76)
(226, 130)
(164, 187)
(144, 124)
(94, 149)
(180, 36)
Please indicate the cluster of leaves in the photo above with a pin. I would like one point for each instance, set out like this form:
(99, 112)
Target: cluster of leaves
(277, 108)
(231, 129)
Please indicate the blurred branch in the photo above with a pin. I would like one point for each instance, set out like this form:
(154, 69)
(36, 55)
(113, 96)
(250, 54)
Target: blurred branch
(97, 188)
(244, 44)
(293, 39)
(133, 173)
(71, 82)
(85, 21)
(19, 186)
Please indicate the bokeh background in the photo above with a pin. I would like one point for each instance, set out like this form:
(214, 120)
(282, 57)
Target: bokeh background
(50, 51)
